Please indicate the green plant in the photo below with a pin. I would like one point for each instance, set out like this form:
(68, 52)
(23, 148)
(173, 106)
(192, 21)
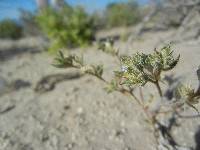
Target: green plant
(136, 71)
(68, 27)
(122, 14)
(9, 29)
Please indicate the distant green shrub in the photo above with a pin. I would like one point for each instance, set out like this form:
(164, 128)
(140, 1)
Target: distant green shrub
(68, 27)
(122, 14)
(9, 29)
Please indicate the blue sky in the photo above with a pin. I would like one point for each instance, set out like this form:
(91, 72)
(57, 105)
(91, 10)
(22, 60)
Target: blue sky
(10, 8)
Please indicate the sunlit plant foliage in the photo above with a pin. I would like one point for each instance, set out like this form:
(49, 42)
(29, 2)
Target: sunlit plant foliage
(142, 68)
(68, 27)
(136, 71)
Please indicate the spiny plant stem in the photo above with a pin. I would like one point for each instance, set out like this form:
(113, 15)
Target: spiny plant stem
(123, 91)
(102, 79)
(126, 92)
(129, 93)
(158, 88)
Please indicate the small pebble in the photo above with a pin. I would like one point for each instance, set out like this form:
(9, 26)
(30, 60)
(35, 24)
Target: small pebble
(80, 110)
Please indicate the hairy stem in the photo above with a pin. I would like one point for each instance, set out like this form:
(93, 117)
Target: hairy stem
(123, 91)
(158, 88)
(151, 119)
(128, 93)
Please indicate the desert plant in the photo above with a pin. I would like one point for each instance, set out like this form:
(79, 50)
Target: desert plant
(68, 27)
(122, 14)
(136, 71)
(9, 29)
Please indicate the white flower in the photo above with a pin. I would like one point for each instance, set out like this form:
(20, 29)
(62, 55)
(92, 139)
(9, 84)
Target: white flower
(124, 68)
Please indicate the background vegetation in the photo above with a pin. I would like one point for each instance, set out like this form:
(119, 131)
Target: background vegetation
(68, 27)
(9, 29)
(122, 14)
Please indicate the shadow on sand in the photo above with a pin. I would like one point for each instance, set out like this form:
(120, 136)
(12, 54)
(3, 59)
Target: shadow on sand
(10, 53)
(197, 139)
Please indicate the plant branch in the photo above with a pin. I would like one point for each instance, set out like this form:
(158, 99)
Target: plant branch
(129, 93)
(158, 88)
(124, 91)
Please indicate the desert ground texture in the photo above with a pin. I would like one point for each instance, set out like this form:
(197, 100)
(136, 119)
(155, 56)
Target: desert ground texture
(76, 113)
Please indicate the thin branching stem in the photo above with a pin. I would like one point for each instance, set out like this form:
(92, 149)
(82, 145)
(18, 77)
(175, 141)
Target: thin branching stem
(129, 93)
(158, 88)
(124, 91)
(141, 95)
(102, 79)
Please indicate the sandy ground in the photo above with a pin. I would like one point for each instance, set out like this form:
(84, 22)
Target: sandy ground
(78, 114)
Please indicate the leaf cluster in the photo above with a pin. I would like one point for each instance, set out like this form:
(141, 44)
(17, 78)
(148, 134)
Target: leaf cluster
(62, 61)
(73, 61)
(108, 47)
(189, 95)
(142, 68)
(112, 86)
(93, 70)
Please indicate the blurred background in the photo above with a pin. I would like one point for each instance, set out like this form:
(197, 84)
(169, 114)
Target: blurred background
(53, 19)
(45, 108)
(67, 24)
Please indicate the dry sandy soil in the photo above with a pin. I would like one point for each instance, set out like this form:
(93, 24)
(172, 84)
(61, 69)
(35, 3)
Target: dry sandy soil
(78, 114)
